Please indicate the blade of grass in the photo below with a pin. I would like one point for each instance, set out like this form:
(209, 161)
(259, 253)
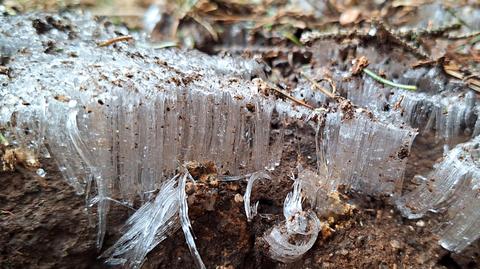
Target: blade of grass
(3, 140)
(290, 36)
(388, 82)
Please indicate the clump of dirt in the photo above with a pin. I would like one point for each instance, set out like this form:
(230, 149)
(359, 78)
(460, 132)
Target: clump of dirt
(43, 223)
(378, 238)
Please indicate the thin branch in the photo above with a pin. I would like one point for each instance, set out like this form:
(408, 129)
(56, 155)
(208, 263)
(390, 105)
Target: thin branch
(265, 85)
(388, 82)
(471, 80)
(111, 41)
(320, 88)
(300, 102)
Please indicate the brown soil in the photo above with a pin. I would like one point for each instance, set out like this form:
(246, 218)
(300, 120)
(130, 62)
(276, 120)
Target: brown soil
(43, 223)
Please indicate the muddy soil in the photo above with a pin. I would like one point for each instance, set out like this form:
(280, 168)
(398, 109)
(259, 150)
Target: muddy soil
(44, 224)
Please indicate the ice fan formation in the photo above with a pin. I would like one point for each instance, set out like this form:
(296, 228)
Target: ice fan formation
(121, 121)
(364, 153)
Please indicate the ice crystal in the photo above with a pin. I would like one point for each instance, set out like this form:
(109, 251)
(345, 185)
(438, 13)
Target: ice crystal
(451, 188)
(251, 211)
(292, 238)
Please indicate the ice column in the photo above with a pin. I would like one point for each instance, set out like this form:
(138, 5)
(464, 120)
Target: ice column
(450, 114)
(364, 153)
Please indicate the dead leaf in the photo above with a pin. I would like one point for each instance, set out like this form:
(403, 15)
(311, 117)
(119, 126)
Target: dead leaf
(359, 64)
(349, 16)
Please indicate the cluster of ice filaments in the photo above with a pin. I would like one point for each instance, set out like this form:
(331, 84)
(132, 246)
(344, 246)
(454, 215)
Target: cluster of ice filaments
(147, 227)
(119, 123)
(292, 238)
(251, 211)
(145, 134)
(118, 139)
(449, 115)
(449, 111)
(154, 222)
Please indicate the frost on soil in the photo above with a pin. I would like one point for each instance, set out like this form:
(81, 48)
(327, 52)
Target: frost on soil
(121, 120)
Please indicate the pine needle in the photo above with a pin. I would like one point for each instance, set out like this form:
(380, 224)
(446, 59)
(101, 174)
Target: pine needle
(388, 82)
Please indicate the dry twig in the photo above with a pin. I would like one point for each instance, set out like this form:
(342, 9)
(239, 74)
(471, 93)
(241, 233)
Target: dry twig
(300, 102)
(320, 88)
(111, 41)
(269, 86)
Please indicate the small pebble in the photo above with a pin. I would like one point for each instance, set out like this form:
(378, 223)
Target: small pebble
(420, 223)
(41, 172)
(395, 244)
(189, 188)
(238, 198)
